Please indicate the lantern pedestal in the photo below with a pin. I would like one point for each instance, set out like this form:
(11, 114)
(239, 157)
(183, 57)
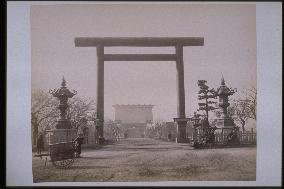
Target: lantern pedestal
(63, 124)
(225, 122)
(61, 135)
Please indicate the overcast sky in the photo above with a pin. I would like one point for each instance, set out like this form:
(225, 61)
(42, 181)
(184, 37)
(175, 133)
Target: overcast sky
(229, 33)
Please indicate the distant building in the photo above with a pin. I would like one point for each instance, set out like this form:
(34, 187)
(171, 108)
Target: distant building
(133, 113)
(133, 119)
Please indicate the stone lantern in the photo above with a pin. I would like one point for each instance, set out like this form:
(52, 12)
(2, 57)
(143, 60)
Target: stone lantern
(224, 121)
(62, 94)
(63, 131)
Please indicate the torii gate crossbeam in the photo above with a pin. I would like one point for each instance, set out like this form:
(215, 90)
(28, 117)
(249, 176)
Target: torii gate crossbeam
(177, 42)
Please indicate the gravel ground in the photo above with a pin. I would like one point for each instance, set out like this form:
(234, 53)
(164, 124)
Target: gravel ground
(152, 160)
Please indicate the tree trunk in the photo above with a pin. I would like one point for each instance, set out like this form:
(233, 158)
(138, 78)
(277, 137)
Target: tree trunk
(243, 125)
(207, 109)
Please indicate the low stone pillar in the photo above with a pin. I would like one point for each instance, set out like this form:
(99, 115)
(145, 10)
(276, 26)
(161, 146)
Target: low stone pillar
(181, 129)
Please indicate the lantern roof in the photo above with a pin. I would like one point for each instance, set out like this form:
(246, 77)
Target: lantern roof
(63, 90)
(223, 89)
(222, 81)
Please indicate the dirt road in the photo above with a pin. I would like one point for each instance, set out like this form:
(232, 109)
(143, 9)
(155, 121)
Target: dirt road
(152, 160)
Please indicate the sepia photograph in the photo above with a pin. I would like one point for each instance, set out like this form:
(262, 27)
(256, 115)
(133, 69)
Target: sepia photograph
(143, 92)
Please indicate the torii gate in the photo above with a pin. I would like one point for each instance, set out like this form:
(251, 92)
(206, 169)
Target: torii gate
(177, 42)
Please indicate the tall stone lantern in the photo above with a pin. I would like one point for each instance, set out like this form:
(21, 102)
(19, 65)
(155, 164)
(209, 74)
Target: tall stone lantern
(63, 131)
(62, 94)
(224, 121)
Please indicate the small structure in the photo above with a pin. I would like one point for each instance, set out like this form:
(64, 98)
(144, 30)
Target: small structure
(224, 122)
(169, 131)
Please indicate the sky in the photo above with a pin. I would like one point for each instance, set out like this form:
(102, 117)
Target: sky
(229, 49)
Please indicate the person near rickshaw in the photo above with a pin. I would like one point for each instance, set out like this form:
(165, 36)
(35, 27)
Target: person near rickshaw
(125, 135)
(80, 138)
(211, 134)
(40, 143)
(78, 142)
(169, 136)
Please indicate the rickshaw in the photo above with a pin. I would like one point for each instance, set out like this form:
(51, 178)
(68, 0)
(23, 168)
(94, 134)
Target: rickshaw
(62, 154)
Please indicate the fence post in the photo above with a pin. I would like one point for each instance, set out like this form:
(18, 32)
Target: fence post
(67, 136)
(252, 135)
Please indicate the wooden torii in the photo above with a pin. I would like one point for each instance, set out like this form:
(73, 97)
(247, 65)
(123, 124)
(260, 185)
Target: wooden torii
(177, 42)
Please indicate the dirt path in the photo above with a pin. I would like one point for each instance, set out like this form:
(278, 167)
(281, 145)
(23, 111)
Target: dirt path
(152, 160)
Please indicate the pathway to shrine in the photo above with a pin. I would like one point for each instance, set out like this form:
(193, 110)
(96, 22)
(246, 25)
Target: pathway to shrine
(152, 160)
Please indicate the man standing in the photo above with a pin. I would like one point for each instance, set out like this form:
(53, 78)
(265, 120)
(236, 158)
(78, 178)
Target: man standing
(78, 143)
(80, 137)
(169, 136)
(40, 143)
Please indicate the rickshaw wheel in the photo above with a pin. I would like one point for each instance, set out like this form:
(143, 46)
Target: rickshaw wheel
(63, 164)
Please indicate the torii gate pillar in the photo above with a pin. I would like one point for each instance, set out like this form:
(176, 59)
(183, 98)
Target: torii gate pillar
(100, 95)
(181, 121)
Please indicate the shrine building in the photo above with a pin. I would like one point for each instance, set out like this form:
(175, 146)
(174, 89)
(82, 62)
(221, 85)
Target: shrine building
(133, 119)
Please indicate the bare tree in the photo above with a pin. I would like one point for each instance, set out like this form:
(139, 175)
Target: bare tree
(251, 102)
(238, 111)
(78, 108)
(43, 112)
(244, 108)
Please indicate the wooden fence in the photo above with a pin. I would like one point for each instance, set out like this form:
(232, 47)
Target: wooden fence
(245, 138)
(248, 137)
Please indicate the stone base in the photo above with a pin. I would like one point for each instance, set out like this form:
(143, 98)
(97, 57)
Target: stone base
(61, 135)
(63, 124)
(225, 122)
(224, 132)
(225, 126)
(181, 130)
